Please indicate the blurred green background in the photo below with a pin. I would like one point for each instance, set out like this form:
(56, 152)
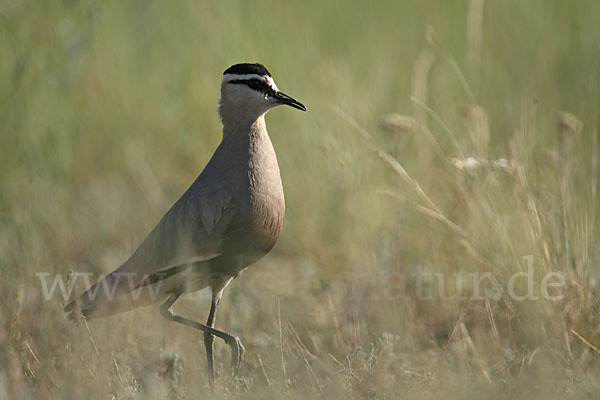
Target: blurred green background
(108, 113)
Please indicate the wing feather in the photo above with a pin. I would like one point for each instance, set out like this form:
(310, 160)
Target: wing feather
(191, 231)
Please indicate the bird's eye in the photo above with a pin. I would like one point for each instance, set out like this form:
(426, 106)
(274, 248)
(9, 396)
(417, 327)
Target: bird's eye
(256, 84)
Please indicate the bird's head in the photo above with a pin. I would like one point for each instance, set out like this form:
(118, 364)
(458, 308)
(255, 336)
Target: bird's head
(250, 88)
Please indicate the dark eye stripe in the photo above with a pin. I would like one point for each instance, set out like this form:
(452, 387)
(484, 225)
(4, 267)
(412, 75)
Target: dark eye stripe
(255, 84)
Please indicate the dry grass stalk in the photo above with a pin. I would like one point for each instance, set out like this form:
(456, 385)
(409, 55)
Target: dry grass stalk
(314, 381)
(297, 342)
(87, 328)
(285, 379)
(569, 124)
(118, 370)
(491, 319)
(569, 133)
(263, 370)
(585, 341)
(336, 324)
(473, 164)
(458, 320)
(476, 124)
(441, 122)
(398, 123)
(414, 184)
(469, 341)
(420, 78)
(31, 351)
(474, 34)
(394, 123)
(432, 209)
(363, 132)
(594, 171)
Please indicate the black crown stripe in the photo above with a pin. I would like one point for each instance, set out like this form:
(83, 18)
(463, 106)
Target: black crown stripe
(247, 69)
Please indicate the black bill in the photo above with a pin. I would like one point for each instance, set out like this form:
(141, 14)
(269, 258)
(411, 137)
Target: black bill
(285, 99)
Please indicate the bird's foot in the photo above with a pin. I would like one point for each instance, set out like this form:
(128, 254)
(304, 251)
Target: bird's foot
(237, 353)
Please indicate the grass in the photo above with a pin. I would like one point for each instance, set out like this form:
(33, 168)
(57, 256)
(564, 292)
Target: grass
(108, 113)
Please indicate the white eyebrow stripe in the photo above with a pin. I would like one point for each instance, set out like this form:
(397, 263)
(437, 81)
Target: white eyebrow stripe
(271, 82)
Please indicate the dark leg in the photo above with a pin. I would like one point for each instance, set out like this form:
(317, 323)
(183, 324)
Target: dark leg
(237, 350)
(209, 339)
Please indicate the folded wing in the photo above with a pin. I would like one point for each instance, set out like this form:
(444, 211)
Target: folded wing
(192, 231)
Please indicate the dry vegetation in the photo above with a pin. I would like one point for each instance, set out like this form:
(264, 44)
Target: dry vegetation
(443, 139)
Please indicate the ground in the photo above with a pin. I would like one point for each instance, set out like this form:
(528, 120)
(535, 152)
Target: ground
(441, 227)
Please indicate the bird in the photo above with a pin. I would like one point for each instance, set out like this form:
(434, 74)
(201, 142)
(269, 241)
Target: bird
(229, 218)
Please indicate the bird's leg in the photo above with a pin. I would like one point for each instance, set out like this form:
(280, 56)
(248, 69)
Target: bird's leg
(237, 349)
(209, 339)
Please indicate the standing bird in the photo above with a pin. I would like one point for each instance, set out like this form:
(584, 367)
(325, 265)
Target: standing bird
(230, 217)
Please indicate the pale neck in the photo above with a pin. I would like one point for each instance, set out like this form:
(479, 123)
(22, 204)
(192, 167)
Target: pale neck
(239, 125)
